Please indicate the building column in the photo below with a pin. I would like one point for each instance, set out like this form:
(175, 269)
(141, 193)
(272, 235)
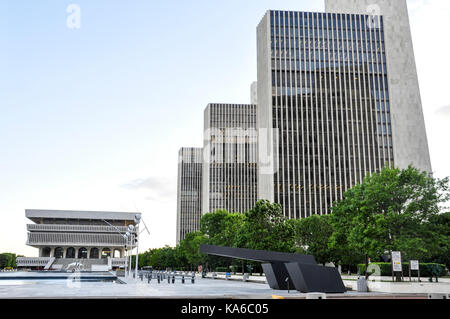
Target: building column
(52, 252)
(64, 252)
(100, 253)
(76, 251)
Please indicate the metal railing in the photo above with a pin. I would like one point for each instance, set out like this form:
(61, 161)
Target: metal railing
(32, 261)
(43, 261)
(119, 262)
(75, 239)
(75, 228)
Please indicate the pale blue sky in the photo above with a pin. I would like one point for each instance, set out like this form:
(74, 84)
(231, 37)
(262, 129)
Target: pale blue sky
(93, 118)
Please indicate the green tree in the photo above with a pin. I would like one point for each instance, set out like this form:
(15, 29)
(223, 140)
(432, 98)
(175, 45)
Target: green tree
(440, 243)
(389, 211)
(312, 236)
(221, 227)
(266, 228)
(190, 248)
(8, 260)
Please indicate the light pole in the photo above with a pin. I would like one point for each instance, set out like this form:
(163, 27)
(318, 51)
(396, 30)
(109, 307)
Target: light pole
(130, 231)
(137, 220)
(126, 236)
(127, 247)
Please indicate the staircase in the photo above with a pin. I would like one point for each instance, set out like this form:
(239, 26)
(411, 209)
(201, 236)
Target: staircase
(50, 263)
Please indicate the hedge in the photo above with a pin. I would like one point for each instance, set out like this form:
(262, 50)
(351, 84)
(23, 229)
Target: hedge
(425, 269)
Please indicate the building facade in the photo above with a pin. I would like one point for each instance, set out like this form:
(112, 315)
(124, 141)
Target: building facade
(63, 237)
(189, 191)
(323, 91)
(230, 158)
(408, 125)
(337, 99)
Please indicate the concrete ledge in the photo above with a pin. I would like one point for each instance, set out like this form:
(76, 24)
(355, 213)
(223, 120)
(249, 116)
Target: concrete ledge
(402, 287)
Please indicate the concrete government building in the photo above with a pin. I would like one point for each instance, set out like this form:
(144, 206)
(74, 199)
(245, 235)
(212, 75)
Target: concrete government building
(65, 237)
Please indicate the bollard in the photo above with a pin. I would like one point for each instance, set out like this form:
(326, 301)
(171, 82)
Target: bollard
(149, 278)
(159, 279)
(173, 279)
(193, 280)
(168, 279)
(182, 279)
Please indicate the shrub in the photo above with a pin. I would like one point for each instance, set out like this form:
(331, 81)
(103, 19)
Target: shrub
(425, 269)
(222, 269)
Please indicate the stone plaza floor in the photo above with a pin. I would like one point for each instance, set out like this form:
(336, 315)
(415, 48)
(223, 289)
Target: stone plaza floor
(202, 288)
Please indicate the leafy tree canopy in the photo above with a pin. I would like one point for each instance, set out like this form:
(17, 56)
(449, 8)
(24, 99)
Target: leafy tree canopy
(390, 210)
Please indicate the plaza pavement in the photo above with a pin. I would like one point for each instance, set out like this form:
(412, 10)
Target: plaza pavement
(202, 288)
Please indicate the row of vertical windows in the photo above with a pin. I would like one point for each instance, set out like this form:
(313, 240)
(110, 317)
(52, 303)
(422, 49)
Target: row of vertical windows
(325, 113)
(233, 157)
(190, 191)
(335, 20)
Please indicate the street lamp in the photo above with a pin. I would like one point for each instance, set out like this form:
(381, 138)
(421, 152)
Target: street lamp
(131, 235)
(127, 246)
(126, 236)
(137, 220)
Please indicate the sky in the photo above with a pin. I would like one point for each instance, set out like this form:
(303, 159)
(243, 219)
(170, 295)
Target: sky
(92, 118)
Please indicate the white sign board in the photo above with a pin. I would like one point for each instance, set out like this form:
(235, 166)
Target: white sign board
(414, 265)
(397, 261)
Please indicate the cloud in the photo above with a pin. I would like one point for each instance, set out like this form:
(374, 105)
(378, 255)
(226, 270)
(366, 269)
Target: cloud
(445, 110)
(155, 188)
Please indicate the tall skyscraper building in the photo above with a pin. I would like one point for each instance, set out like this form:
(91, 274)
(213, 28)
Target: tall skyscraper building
(189, 191)
(326, 105)
(408, 125)
(336, 98)
(230, 158)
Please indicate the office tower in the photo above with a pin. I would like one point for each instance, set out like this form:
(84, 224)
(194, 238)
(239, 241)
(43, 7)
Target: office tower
(189, 191)
(408, 126)
(323, 93)
(230, 158)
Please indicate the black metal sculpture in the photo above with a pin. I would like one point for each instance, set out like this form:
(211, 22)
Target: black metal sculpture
(284, 270)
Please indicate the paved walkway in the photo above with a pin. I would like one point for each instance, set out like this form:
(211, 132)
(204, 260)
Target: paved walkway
(203, 288)
(376, 285)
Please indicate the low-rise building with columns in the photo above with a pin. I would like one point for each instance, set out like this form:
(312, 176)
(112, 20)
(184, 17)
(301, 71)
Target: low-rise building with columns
(88, 237)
